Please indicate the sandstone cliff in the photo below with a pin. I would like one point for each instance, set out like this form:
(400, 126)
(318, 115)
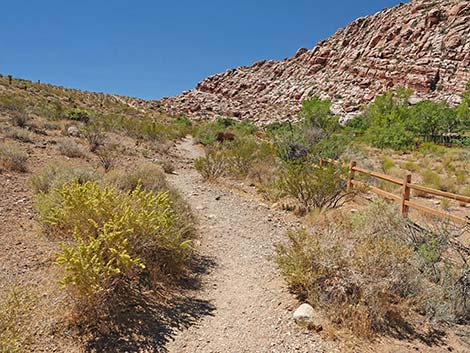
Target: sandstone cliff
(423, 45)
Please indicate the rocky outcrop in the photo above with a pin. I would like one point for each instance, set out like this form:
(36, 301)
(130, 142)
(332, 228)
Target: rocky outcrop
(423, 45)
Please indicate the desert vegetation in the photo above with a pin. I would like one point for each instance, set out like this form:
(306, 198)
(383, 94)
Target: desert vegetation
(15, 312)
(371, 270)
(428, 139)
(119, 233)
(13, 158)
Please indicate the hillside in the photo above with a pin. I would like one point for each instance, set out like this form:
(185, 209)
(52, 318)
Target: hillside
(423, 45)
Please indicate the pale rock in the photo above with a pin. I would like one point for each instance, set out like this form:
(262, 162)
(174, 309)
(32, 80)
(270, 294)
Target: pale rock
(304, 315)
(73, 131)
(422, 45)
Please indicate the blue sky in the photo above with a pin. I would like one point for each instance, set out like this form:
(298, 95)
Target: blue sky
(151, 49)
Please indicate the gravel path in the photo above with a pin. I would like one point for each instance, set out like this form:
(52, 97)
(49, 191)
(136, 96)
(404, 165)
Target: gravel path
(253, 309)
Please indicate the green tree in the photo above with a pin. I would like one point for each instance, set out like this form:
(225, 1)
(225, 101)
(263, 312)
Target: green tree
(431, 119)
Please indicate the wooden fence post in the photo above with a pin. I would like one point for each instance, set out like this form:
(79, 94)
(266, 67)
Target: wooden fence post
(351, 175)
(10, 78)
(405, 195)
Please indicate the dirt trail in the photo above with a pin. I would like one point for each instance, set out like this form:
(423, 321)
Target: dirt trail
(253, 309)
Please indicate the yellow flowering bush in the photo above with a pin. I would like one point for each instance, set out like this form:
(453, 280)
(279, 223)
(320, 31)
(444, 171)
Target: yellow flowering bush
(110, 234)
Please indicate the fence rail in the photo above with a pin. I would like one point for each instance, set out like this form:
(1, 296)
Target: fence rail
(406, 187)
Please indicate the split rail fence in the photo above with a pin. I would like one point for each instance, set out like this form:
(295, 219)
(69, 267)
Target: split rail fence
(405, 198)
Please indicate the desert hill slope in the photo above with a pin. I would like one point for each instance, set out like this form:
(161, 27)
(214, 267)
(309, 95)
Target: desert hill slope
(423, 45)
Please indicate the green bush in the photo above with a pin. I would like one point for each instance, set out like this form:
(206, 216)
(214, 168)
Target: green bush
(316, 113)
(393, 136)
(391, 122)
(78, 114)
(243, 154)
(313, 186)
(430, 120)
(387, 164)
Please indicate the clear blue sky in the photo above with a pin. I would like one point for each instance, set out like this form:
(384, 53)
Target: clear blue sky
(157, 48)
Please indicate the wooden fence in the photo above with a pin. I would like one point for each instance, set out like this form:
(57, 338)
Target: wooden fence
(405, 198)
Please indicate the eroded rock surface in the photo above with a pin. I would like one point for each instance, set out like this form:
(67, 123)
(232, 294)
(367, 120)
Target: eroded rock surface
(423, 45)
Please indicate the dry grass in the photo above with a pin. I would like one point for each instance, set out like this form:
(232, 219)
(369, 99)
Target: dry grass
(15, 313)
(19, 135)
(71, 149)
(57, 174)
(370, 271)
(12, 158)
(19, 118)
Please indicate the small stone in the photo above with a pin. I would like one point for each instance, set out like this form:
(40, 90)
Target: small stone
(304, 315)
(73, 131)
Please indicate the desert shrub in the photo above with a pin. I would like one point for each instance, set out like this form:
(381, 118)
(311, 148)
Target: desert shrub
(213, 165)
(19, 134)
(15, 313)
(12, 158)
(431, 148)
(387, 164)
(107, 158)
(277, 127)
(411, 166)
(359, 124)
(206, 134)
(313, 186)
(56, 175)
(95, 136)
(291, 145)
(71, 149)
(316, 113)
(19, 118)
(242, 155)
(13, 103)
(78, 114)
(149, 176)
(391, 122)
(433, 180)
(210, 132)
(110, 236)
(167, 166)
(371, 270)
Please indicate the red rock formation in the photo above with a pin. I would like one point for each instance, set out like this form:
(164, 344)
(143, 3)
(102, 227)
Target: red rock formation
(423, 45)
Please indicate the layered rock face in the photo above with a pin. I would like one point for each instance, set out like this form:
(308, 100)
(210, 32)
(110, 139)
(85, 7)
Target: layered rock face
(423, 45)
